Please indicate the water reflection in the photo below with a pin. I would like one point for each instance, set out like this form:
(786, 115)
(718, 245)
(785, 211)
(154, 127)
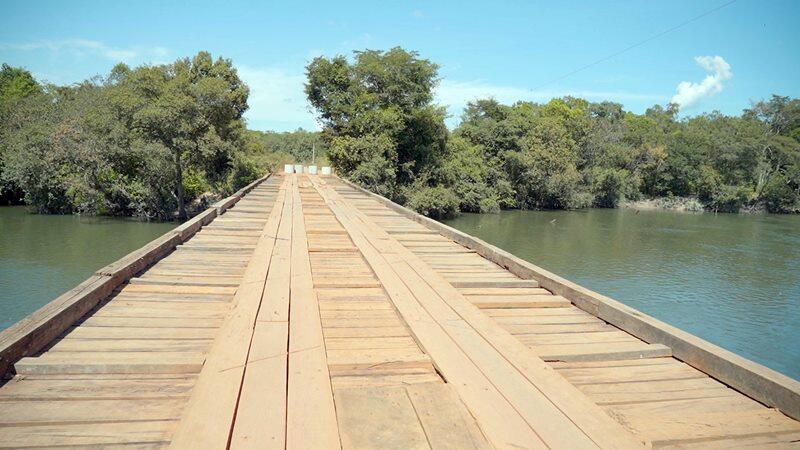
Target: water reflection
(43, 256)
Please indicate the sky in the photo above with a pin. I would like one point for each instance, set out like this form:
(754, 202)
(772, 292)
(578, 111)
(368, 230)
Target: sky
(704, 55)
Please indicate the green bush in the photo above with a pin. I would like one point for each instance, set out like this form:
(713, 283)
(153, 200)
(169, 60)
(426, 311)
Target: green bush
(611, 186)
(194, 184)
(437, 202)
(781, 195)
(245, 171)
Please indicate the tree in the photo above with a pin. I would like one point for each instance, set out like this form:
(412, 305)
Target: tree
(570, 153)
(193, 107)
(302, 145)
(16, 84)
(378, 119)
(97, 147)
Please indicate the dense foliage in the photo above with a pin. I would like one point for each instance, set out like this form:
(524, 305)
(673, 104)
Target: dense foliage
(569, 153)
(142, 141)
(303, 146)
(379, 121)
(386, 134)
(158, 142)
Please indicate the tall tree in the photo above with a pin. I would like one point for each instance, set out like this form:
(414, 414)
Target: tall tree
(193, 107)
(378, 116)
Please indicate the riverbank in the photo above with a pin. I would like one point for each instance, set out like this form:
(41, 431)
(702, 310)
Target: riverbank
(681, 204)
(692, 205)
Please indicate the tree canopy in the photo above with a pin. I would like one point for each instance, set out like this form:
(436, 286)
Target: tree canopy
(385, 133)
(162, 141)
(379, 121)
(192, 107)
(142, 141)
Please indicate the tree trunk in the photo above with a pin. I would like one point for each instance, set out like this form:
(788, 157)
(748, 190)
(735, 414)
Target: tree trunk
(179, 186)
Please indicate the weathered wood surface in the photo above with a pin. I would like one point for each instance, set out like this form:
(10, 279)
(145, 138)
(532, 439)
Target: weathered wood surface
(757, 381)
(569, 336)
(312, 315)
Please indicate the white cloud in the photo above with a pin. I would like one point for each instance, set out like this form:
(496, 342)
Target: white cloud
(83, 47)
(277, 99)
(689, 93)
(456, 94)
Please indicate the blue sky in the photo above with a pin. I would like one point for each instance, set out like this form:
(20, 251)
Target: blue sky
(745, 51)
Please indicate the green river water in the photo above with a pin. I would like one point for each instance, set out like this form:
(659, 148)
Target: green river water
(42, 256)
(731, 279)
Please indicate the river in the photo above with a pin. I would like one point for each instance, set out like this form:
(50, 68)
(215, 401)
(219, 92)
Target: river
(42, 256)
(733, 280)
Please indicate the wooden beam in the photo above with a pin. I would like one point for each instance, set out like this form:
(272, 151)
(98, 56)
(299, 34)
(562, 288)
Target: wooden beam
(261, 411)
(311, 416)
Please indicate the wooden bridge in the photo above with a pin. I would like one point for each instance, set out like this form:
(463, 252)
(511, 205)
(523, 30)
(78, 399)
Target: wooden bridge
(304, 312)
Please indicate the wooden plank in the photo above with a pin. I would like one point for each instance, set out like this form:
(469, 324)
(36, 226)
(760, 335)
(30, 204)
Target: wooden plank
(140, 333)
(159, 311)
(447, 423)
(495, 291)
(631, 373)
(623, 398)
(519, 301)
(778, 440)
(187, 280)
(131, 345)
(381, 379)
(55, 412)
(311, 415)
(26, 389)
(142, 434)
(365, 332)
(707, 405)
(261, 411)
(695, 428)
(167, 289)
(499, 420)
(154, 322)
(604, 351)
(378, 418)
(403, 342)
(110, 362)
(371, 358)
(362, 314)
(495, 283)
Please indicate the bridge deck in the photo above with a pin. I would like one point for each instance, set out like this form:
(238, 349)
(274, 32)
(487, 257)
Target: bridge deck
(310, 315)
